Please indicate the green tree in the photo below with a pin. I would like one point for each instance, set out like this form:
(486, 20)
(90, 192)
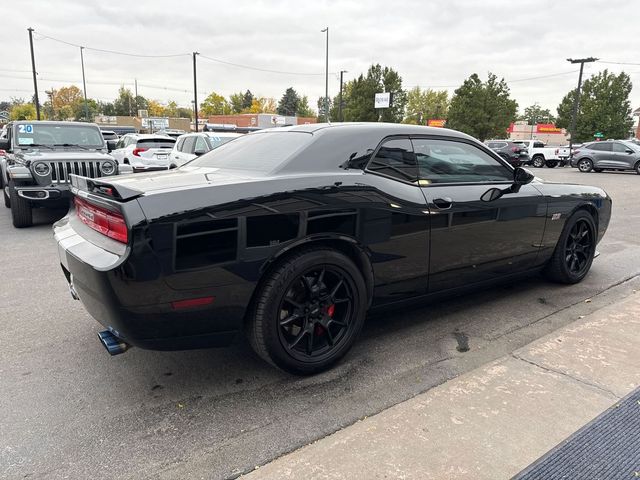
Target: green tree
(321, 109)
(106, 108)
(184, 112)
(482, 109)
(79, 112)
(536, 114)
(604, 107)
(125, 103)
(236, 101)
(22, 111)
(359, 95)
(215, 104)
(247, 100)
(304, 110)
(423, 105)
(289, 103)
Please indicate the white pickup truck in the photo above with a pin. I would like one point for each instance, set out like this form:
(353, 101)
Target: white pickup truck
(541, 155)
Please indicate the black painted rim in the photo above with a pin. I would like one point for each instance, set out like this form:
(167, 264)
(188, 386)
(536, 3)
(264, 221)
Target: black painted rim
(316, 314)
(579, 248)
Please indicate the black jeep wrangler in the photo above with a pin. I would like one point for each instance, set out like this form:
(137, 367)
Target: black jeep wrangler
(37, 157)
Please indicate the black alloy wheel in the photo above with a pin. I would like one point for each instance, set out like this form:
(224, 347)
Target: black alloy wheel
(308, 311)
(574, 251)
(585, 165)
(579, 248)
(637, 168)
(315, 313)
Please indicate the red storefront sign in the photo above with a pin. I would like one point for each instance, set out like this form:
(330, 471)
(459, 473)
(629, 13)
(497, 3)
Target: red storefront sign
(547, 128)
(435, 122)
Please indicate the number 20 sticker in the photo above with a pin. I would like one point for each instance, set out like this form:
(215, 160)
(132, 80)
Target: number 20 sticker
(25, 128)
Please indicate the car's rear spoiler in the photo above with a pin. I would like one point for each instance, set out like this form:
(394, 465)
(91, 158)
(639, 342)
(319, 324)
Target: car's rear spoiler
(100, 187)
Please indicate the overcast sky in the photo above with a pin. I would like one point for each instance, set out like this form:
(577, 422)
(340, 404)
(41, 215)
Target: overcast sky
(430, 43)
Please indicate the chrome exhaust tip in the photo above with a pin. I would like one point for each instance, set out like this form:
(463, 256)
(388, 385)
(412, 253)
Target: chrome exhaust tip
(113, 344)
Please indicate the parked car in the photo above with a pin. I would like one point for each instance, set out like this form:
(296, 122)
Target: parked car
(541, 155)
(193, 145)
(291, 235)
(171, 132)
(40, 156)
(111, 138)
(144, 152)
(512, 152)
(120, 130)
(607, 155)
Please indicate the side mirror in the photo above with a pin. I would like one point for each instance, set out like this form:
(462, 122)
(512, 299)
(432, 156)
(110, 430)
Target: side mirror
(522, 176)
(491, 195)
(199, 151)
(111, 145)
(5, 144)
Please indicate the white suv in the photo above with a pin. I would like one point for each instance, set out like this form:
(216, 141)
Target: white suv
(144, 152)
(193, 145)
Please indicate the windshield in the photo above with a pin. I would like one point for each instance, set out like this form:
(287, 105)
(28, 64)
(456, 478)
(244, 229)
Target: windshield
(60, 134)
(261, 152)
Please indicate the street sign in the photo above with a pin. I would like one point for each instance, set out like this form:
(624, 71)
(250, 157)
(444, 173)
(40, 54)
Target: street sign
(436, 122)
(383, 100)
(598, 135)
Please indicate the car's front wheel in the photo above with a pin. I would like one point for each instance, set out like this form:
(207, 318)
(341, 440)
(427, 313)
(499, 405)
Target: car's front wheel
(21, 211)
(637, 168)
(308, 311)
(585, 165)
(574, 251)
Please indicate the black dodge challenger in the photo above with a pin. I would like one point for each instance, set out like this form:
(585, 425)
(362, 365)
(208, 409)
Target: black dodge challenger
(291, 235)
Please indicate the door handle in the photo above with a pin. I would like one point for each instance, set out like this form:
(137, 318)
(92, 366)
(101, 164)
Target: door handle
(443, 203)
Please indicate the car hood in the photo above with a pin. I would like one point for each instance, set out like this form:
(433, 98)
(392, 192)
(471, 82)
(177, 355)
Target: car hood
(64, 155)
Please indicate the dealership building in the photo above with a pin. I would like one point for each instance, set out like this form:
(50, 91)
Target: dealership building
(547, 133)
(259, 120)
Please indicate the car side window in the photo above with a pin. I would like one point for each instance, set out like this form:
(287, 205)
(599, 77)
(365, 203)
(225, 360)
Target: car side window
(120, 143)
(201, 145)
(620, 148)
(189, 144)
(600, 147)
(445, 161)
(179, 144)
(538, 145)
(395, 158)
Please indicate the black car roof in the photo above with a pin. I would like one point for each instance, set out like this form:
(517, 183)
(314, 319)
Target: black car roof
(378, 127)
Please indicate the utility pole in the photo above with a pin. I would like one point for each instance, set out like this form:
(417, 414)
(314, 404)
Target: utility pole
(84, 86)
(195, 91)
(33, 68)
(135, 86)
(340, 118)
(576, 100)
(326, 77)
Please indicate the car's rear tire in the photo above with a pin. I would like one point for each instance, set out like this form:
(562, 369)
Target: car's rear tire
(537, 161)
(585, 165)
(574, 251)
(21, 211)
(637, 168)
(551, 163)
(308, 311)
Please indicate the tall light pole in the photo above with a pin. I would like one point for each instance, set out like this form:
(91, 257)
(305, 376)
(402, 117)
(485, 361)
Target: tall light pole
(340, 118)
(326, 77)
(195, 91)
(576, 100)
(33, 69)
(84, 86)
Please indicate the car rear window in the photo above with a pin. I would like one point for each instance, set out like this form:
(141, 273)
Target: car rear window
(261, 152)
(155, 143)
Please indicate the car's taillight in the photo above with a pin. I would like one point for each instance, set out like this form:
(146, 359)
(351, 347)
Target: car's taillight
(136, 151)
(515, 149)
(2, 152)
(101, 220)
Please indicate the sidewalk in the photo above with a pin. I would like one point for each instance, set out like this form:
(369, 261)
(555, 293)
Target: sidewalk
(493, 421)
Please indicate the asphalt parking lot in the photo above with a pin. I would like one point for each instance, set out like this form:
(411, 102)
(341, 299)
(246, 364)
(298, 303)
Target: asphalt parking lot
(71, 411)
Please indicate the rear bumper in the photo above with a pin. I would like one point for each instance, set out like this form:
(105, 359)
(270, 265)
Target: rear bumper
(106, 283)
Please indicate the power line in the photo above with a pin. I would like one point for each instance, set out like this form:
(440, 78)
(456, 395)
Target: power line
(103, 50)
(618, 63)
(539, 77)
(258, 69)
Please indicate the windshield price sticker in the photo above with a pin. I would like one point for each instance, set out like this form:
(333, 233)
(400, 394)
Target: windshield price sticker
(28, 128)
